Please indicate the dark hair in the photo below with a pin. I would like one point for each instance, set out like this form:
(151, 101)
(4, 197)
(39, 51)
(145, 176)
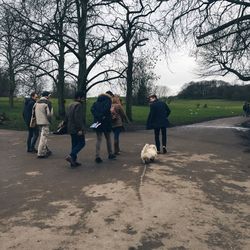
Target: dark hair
(45, 93)
(32, 94)
(78, 94)
(153, 96)
(110, 93)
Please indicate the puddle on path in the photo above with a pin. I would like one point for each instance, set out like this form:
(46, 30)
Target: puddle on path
(217, 127)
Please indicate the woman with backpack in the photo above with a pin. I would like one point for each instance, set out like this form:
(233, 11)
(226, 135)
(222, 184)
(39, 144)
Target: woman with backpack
(102, 116)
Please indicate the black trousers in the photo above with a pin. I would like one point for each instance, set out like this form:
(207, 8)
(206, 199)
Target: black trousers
(163, 137)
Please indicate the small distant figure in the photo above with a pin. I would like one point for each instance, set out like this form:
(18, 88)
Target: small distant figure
(33, 133)
(75, 127)
(43, 114)
(246, 109)
(118, 117)
(102, 116)
(158, 120)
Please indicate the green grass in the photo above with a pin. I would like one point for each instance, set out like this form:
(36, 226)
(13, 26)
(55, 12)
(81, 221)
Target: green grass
(187, 112)
(183, 111)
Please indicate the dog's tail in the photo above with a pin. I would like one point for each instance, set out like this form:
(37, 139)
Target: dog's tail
(143, 150)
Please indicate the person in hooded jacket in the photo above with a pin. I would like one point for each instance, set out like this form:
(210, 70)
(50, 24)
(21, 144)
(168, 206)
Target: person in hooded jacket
(33, 133)
(102, 115)
(158, 121)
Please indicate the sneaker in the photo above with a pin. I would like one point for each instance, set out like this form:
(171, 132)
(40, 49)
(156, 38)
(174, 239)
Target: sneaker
(49, 153)
(98, 160)
(78, 164)
(71, 161)
(164, 150)
(111, 157)
(32, 150)
(42, 156)
(158, 152)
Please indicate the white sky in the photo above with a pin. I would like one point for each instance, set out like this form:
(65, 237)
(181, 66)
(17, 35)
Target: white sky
(179, 70)
(182, 69)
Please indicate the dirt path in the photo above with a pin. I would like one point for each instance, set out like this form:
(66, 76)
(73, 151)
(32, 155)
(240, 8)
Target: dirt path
(195, 197)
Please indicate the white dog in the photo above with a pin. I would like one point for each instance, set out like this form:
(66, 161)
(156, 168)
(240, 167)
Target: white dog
(148, 153)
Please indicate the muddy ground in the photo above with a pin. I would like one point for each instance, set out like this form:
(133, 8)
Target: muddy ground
(195, 197)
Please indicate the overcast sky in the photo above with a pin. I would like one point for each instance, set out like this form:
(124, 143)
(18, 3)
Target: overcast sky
(180, 69)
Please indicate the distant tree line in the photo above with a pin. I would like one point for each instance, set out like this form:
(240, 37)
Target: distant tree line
(215, 89)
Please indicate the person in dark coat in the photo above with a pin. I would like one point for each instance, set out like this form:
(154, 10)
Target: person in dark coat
(102, 115)
(246, 109)
(33, 133)
(75, 127)
(158, 120)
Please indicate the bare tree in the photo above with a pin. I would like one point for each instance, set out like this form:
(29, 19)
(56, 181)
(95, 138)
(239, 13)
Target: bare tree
(161, 91)
(136, 27)
(92, 36)
(221, 30)
(45, 23)
(14, 53)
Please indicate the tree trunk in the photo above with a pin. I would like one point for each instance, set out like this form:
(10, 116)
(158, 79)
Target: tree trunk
(82, 72)
(129, 85)
(11, 100)
(60, 84)
(12, 87)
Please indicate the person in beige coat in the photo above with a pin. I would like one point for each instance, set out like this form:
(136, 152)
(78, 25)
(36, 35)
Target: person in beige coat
(118, 117)
(43, 113)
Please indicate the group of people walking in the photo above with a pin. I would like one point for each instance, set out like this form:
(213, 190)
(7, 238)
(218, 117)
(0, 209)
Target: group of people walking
(41, 112)
(108, 114)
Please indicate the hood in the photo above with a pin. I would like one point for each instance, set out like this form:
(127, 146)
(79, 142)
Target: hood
(103, 97)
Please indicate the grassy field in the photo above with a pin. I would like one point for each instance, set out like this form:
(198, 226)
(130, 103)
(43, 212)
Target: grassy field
(183, 111)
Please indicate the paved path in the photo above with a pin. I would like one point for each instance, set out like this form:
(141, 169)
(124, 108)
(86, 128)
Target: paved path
(195, 197)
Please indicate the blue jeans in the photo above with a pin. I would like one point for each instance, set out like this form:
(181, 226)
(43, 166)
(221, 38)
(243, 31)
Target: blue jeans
(117, 132)
(163, 137)
(33, 134)
(77, 143)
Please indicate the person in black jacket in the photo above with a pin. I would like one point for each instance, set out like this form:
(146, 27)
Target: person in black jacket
(33, 133)
(102, 115)
(158, 120)
(75, 127)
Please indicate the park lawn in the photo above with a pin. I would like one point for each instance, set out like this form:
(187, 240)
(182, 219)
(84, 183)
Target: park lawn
(188, 112)
(183, 111)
